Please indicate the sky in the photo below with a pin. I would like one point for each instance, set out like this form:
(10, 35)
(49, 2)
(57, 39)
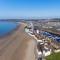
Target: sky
(29, 8)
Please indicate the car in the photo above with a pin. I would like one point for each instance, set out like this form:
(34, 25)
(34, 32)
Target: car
(53, 37)
(50, 36)
(57, 39)
(47, 34)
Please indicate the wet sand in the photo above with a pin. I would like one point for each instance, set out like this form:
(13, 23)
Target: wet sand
(17, 46)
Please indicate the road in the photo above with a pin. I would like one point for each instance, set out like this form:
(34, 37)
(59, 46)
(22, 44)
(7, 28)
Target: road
(17, 46)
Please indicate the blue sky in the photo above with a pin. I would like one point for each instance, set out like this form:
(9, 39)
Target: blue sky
(29, 8)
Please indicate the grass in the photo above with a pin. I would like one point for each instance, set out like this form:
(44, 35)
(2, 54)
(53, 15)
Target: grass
(54, 56)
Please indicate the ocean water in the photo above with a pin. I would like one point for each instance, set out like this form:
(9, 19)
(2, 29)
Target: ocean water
(6, 27)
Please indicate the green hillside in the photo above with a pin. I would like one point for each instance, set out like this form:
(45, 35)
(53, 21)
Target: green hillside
(54, 56)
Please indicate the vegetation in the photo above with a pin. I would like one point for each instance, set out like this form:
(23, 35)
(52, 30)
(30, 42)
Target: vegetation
(54, 56)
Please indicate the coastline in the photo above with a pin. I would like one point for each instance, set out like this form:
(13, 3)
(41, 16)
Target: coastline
(17, 46)
(12, 31)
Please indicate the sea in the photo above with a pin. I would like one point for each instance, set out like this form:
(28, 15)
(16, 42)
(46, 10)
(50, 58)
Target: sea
(6, 27)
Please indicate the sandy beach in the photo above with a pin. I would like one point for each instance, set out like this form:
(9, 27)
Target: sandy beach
(17, 46)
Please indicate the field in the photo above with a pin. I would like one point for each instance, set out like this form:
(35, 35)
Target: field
(54, 56)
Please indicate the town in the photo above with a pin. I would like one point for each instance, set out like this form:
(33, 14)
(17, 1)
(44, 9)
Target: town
(47, 37)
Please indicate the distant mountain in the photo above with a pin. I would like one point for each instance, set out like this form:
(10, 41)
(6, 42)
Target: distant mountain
(43, 20)
(55, 19)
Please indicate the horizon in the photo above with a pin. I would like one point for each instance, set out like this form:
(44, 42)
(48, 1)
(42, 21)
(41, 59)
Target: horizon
(15, 9)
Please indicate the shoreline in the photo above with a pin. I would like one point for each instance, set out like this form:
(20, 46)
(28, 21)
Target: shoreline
(12, 31)
(17, 46)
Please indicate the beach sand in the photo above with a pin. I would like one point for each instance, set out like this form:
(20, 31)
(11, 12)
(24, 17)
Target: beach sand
(17, 46)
